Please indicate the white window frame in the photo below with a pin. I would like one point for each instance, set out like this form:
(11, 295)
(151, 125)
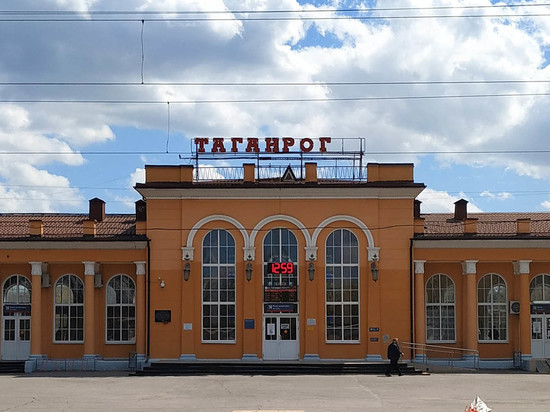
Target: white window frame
(218, 303)
(69, 306)
(544, 297)
(440, 304)
(503, 306)
(120, 305)
(342, 302)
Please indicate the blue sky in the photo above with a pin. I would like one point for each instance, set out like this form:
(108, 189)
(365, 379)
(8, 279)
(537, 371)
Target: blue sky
(408, 63)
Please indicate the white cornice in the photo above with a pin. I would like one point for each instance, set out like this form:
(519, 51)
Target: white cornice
(481, 243)
(298, 192)
(71, 245)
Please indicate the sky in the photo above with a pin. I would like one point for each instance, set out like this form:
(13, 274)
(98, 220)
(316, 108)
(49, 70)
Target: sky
(460, 88)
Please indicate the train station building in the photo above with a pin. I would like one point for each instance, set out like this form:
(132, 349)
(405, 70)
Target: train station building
(301, 262)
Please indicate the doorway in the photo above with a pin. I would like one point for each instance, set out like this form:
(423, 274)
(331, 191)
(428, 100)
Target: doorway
(281, 337)
(16, 318)
(540, 336)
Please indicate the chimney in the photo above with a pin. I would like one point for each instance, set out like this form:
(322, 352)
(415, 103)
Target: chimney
(417, 204)
(141, 217)
(141, 211)
(461, 209)
(36, 228)
(523, 226)
(418, 220)
(89, 228)
(97, 209)
(470, 226)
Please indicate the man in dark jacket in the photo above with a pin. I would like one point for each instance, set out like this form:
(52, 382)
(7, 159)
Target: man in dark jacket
(394, 353)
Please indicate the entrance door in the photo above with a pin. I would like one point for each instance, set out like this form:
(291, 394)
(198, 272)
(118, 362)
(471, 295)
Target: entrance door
(16, 318)
(281, 337)
(16, 344)
(540, 336)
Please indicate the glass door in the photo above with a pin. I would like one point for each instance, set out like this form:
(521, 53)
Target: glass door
(16, 318)
(281, 338)
(16, 337)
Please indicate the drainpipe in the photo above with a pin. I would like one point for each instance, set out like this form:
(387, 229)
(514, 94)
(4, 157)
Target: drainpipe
(148, 319)
(411, 294)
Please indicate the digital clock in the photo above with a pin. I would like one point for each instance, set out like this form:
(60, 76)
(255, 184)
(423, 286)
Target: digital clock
(280, 268)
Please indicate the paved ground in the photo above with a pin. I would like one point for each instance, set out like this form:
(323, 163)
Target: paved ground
(117, 392)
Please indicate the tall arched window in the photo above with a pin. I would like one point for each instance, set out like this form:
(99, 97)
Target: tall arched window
(440, 309)
(69, 309)
(539, 289)
(17, 289)
(16, 310)
(218, 287)
(492, 308)
(121, 309)
(342, 287)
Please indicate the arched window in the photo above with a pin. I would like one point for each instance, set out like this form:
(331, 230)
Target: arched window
(17, 289)
(69, 309)
(121, 309)
(539, 289)
(218, 287)
(492, 308)
(342, 287)
(440, 309)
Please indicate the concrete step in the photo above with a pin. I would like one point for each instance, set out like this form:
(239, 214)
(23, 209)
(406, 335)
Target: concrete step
(11, 367)
(269, 368)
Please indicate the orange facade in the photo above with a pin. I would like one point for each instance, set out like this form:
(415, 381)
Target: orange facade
(271, 268)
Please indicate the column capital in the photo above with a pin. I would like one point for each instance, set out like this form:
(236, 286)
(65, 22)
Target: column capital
(521, 267)
(469, 267)
(89, 268)
(311, 252)
(373, 253)
(36, 268)
(140, 268)
(419, 267)
(249, 253)
(187, 252)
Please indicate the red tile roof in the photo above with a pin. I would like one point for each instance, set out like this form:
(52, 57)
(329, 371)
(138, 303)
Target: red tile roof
(63, 226)
(488, 224)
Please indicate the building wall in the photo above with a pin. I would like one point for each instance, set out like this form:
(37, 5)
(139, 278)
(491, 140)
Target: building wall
(385, 304)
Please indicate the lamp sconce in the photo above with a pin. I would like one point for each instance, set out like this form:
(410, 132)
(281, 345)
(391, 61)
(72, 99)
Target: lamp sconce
(374, 268)
(162, 283)
(311, 268)
(186, 268)
(248, 270)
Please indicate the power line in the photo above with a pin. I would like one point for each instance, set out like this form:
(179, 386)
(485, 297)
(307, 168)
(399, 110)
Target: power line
(267, 19)
(254, 84)
(283, 11)
(290, 100)
(369, 153)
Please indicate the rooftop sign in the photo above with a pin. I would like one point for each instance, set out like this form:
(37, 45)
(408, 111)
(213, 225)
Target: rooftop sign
(265, 145)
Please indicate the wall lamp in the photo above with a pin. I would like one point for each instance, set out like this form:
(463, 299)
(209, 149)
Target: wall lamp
(186, 269)
(248, 270)
(374, 268)
(162, 283)
(311, 268)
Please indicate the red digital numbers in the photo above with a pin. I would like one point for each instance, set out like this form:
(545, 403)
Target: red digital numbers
(281, 268)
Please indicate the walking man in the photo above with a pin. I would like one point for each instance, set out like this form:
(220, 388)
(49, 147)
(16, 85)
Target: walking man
(394, 353)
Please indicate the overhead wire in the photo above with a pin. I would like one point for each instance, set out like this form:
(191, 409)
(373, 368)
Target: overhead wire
(301, 83)
(282, 100)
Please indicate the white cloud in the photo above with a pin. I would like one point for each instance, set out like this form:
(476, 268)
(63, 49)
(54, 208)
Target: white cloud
(435, 201)
(453, 49)
(496, 196)
(138, 176)
(28, 189)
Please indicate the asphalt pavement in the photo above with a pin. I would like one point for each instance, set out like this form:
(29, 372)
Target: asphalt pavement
(501, 391)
